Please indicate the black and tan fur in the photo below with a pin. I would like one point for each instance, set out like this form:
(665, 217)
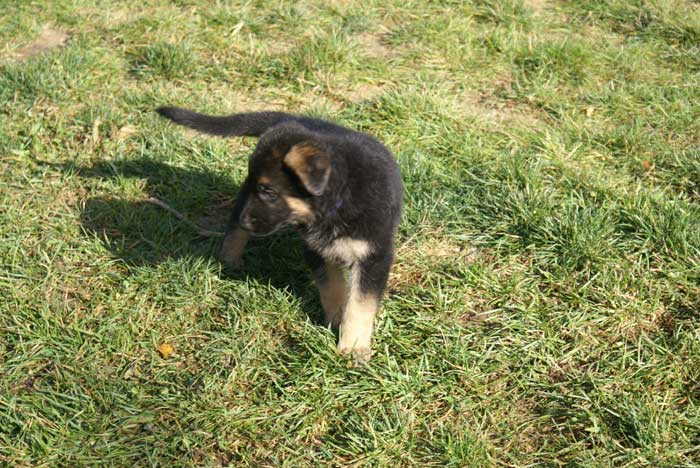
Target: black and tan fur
(340, 189)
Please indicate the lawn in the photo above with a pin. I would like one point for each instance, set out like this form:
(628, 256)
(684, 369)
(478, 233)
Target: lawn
(543, 309)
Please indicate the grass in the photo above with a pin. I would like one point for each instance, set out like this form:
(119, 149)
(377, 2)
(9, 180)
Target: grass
(543, 309)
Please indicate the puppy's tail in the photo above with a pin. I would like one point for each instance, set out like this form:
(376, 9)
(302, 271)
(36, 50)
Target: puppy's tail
(244, 124)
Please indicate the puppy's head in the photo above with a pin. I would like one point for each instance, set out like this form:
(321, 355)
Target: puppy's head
(287, 170)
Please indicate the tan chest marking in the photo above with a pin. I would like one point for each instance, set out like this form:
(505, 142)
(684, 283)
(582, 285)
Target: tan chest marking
(347, 250)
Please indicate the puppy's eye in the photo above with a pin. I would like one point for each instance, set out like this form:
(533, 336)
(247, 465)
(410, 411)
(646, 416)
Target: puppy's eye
(266, 192)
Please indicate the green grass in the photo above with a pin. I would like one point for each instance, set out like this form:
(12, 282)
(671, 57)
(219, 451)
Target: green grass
(543, 309)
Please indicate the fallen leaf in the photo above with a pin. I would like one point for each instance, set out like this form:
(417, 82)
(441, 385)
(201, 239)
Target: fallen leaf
(165, 350)
(125, 132)
(132, 371)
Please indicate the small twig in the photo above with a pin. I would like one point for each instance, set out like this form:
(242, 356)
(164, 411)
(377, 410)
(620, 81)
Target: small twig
(181, 217)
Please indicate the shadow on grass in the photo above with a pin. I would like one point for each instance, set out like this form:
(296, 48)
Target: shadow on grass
(142, 234)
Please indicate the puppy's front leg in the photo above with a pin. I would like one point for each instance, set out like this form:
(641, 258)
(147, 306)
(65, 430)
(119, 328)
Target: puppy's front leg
(334, 293)
(367, 282)
(233, 246)
(236, 238)
(332, 286)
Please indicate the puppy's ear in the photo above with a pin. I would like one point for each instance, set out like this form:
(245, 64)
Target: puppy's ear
(311, 164)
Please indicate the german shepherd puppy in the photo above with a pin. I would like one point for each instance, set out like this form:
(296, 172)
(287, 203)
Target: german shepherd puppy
(340, 189)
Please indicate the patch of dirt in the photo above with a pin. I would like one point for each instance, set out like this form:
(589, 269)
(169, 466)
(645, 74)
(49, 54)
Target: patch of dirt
(49, 39)
(234, 101)
(311, 101)
(414, 260)
(373, 45)
(278, 47)
(486, 107)
(363, 92)
(437, 248)
(537, 6)
(445, 248)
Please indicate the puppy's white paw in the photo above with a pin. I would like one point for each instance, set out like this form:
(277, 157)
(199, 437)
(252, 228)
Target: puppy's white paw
(360, 356)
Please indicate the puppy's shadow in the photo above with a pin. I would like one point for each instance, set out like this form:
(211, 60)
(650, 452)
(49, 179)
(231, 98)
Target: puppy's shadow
(143, 234)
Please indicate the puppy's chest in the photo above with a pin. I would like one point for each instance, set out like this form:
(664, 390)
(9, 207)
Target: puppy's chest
(345, 250)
